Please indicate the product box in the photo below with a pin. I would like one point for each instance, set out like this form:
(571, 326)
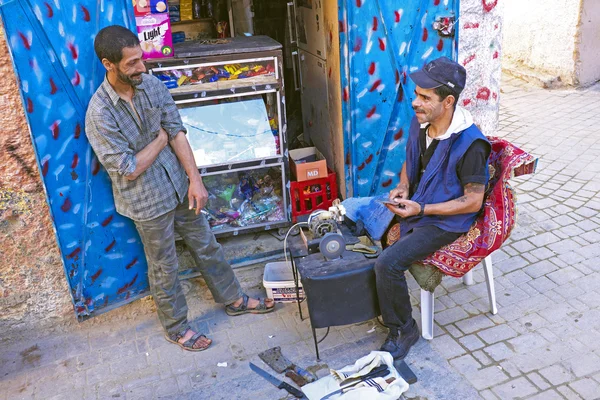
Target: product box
(142, 8)
(307, 163)
(154, 32)
(278, 281)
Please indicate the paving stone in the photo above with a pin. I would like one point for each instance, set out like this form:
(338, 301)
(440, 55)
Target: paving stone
(564, 275)
(542, 284)
(461, 297)
(471, 342)
(514, 389)
(499, 352)
(474, 324)
(547, 395)
(450, 316)
(488, 394)
(540, 268)
(510, 264)
(497, 333)
(454, 331)
(465, 364)
(487, 377)
(584, 364)
(556, 374)
(568, 393)
(587, 388)
(544, 239)
(447, 347)
(542, 253)
(538, 381)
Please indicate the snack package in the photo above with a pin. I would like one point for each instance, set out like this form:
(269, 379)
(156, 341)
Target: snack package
(142, 8)
(154, 32)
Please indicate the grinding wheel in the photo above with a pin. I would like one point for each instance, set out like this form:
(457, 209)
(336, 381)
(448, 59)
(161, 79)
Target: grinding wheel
(332, 245)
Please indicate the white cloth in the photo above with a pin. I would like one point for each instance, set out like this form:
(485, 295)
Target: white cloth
(461, 120)
(331, 383)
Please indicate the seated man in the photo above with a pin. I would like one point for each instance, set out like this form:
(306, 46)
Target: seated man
(441, 190)
(134, 127)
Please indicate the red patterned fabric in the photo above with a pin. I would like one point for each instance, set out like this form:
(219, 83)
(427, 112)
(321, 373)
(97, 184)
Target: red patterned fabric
(497, 220)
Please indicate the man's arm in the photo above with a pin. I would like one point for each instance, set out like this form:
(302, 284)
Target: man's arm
(470, 202)
(113, 150)
(197, 194)
(145, 157)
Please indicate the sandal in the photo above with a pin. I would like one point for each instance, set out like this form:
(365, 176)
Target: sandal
(261, 308)
(189, 344)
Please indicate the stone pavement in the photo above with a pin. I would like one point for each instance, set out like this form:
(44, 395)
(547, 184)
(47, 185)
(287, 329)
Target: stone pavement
(544, 343)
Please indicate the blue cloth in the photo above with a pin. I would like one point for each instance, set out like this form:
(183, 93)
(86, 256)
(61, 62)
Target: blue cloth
(374, 215)
(440, 181)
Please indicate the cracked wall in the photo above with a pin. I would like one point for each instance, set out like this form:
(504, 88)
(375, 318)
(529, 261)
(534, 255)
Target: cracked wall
(33, 288)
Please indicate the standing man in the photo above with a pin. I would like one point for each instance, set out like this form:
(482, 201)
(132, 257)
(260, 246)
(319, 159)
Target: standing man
(136, 132)
(441, 191)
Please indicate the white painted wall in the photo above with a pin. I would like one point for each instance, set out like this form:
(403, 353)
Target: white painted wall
(542, 35)
(587, 67)
(479, 50)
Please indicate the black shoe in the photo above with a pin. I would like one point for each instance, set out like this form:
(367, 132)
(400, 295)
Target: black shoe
(409, 335)
(390, 341)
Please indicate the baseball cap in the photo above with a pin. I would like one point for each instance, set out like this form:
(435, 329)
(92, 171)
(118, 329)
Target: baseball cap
(441, 71)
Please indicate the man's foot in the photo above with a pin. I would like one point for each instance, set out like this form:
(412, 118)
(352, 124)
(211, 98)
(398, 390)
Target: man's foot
(390, 341)
(245, 305)
(409, 335)
(190, 340)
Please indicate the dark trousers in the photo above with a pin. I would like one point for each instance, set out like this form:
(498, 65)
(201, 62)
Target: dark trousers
(392, 290)
(158, 237)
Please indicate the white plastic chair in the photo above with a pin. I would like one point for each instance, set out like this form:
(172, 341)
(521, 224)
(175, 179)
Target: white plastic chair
(427, 298)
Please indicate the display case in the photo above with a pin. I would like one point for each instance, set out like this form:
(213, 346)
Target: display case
(230, 95)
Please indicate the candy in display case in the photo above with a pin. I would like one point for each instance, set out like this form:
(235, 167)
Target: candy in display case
(190, 75)
(245, 198)
(234, 129)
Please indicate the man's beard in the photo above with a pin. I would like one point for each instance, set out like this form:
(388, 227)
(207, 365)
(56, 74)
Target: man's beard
(129, 79)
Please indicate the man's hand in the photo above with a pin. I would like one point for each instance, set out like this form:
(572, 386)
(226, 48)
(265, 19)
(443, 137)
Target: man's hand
(405, 208)
(164, 137)
(399, 193)
(197, 195)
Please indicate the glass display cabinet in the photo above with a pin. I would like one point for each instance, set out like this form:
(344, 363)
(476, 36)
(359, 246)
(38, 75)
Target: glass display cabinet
(230, 95)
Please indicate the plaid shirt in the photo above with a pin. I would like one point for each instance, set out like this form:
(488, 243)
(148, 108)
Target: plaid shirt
(117, 135)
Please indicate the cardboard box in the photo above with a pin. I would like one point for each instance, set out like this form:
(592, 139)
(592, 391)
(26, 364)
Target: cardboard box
(154, 32)
(307, 163)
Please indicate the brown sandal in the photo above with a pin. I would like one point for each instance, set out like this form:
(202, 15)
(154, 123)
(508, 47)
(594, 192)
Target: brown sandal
(189, 344)
(261, 308)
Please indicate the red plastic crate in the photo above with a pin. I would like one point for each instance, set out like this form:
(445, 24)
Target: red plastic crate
(315, 194)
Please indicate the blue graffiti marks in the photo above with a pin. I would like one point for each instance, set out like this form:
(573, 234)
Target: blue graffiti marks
(51, 44)
(382, 42)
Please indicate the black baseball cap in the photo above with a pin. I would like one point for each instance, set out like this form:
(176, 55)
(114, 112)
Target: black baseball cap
(441, 71)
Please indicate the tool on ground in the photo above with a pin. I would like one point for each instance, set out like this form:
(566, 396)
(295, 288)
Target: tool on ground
(327, 237)
(405, 372)
(280, 364)
(278, 383)
(378, 372)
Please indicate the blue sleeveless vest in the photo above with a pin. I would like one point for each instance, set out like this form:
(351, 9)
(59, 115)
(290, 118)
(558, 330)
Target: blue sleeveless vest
(440, 181)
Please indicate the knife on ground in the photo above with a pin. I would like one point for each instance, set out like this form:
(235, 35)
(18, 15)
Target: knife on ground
(280, 384)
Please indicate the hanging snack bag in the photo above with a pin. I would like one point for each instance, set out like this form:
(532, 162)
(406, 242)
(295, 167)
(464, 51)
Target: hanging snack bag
(154, 32)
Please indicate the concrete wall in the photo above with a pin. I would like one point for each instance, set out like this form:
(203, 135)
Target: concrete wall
(557, 38)
(33, 288)
(587, 65)
(479, 50)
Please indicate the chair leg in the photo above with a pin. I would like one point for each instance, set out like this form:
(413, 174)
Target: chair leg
(468, 278)
(489, 278)
(427, 299)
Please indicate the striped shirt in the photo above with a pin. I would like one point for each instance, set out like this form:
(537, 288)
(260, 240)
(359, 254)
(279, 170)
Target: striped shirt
(117, 134)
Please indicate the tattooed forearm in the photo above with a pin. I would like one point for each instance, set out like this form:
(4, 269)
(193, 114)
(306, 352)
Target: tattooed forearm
(474, 188)
(461, 199)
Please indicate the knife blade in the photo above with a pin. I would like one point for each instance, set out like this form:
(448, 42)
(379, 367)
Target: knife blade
(278, 383)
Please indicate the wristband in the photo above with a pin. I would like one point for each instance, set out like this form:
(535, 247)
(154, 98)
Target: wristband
(422, 212)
